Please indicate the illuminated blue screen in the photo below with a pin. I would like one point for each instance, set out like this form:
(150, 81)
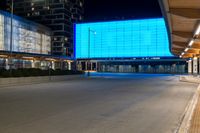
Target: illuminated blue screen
(121, 39)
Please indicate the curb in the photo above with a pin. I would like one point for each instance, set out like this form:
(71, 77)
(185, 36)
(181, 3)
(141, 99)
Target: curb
(190, 79)
(186, 118)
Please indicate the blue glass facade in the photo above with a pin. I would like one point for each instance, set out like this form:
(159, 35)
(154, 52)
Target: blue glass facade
(122, 39)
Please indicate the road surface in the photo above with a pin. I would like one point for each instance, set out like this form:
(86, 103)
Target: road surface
(136, 104)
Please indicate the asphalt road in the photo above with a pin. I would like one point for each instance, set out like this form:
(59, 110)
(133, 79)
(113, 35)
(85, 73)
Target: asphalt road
(137, 104)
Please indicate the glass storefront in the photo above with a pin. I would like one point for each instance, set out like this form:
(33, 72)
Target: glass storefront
(158, 68)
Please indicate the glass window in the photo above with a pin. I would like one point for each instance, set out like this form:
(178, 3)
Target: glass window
(28, 37)
(132, 38)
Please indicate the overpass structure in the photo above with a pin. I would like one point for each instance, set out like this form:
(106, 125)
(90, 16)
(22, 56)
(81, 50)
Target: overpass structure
(183, 22)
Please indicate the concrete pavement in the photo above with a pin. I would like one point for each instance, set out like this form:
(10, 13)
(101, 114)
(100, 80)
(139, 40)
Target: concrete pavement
(138, 104)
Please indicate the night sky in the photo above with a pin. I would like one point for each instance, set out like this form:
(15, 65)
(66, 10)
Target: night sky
(2, 4)
(100, 10)
(105, 10)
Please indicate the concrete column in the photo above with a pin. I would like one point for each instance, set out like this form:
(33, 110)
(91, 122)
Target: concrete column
(32, 63)
(77, 65)
(91, 65)
(62, 65)
(7, 64)
(99, 68)
(53, 65)
(190, 66)
(96, 67)
(195, 65)
(23, 64)
(199, 65)
(80, 66)
(69, 65)
(103, 68)
(86, 65)
(140, 68)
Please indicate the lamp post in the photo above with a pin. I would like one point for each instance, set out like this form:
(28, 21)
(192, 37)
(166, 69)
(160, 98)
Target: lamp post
(94, 32)
(50, 67)
(11, 37)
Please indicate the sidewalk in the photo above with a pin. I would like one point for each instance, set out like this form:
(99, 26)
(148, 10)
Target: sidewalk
(191, 122)
(195, 123)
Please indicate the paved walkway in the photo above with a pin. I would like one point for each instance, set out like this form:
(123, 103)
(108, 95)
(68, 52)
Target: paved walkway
(195, 123)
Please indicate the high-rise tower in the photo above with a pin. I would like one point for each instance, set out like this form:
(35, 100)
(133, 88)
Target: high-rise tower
(59, 15)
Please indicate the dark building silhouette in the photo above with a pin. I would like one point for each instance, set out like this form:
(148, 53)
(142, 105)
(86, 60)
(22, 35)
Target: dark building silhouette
(3, 5)
(59, 15)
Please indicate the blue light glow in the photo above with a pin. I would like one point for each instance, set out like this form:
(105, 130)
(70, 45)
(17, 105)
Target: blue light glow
(122, 39)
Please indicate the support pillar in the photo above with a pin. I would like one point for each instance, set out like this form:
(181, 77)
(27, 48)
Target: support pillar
(79, 65)
(53, 65)
(199, 65)
(24, 64)
(195, 65)
(32, 63)
(91, 66)
(7, 64)
(190, 66)
(86, 66)
(69, 65)
(96, 67)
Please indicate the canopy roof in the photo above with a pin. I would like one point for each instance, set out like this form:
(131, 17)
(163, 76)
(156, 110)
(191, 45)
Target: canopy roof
(183, 21)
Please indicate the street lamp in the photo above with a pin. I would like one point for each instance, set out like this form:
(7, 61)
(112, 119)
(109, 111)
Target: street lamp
(11, 37)
(94, 32)
(50, 67)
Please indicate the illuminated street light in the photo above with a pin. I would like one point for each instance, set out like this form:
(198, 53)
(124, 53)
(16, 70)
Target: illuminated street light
(94, 32)
(11, 36)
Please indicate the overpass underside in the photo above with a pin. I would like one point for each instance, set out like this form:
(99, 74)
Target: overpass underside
(183, 22)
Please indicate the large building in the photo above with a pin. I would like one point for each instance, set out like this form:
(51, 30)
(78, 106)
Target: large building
(122, 39)
(28, 37)
(126, 46)
(59, 15)
(30, 47)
